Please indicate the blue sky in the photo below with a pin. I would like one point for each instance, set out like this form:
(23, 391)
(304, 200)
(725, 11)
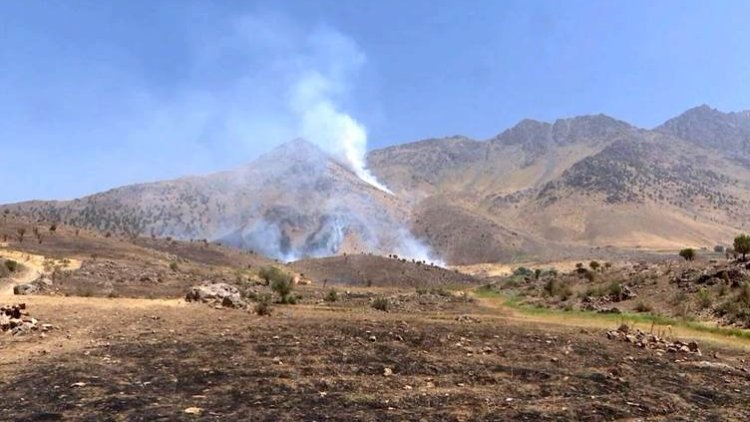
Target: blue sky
(95, 95)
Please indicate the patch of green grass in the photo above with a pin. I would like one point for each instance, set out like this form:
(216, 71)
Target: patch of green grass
(644, 318)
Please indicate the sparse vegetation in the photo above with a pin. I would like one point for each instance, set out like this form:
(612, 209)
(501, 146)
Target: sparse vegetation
(704, 298)
(332, 296)
(688, 254)
(263, 305)
(594, 265)
(643, 307)
(381, 304)
(283, 286)
(11, 265)
(270, 273)
(554, 287)
(742, 245)
(523, 272)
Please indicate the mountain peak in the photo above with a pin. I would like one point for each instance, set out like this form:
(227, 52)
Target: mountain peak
(711, 128)
(562, 131)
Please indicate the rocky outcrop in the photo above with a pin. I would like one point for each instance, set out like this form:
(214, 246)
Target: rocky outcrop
(16, 320)
(217, 294)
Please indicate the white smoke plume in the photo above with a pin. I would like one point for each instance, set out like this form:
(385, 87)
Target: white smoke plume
(323, 124)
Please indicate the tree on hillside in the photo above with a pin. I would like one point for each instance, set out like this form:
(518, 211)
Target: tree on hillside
(742, 245)
(688, 254)
(21, 233)
(269, 274)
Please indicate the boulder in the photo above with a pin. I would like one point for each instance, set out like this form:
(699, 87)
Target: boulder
(26, 289)
(218, 293)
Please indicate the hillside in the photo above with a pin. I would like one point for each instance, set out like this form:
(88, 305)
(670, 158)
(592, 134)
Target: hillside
(589, 181)
(536, 191)
(294, 201)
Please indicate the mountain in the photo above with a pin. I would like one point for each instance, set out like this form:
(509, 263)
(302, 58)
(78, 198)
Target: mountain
(589, 181)
(711, 128)
(535, 191)
(293, 201)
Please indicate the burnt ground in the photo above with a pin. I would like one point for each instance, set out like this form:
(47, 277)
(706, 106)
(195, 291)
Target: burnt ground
(135, 359)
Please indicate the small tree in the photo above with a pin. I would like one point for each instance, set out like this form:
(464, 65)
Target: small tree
(21, 233)
(332, 296)
(742, 245)
(688, 254)
(283, 286)
(594, 265)
(270, 273)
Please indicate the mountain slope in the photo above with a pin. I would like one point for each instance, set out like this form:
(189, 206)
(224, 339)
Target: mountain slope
(705, 126)
(294, 201)
(535, 191)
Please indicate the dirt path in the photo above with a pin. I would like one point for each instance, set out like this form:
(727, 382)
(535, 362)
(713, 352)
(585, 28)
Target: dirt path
(604, 322)
(34, 268)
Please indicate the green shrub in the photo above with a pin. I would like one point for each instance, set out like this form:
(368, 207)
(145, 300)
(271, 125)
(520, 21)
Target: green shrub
(332, 296)
(554, 287)
(742, 245)
(523, 272)
(269, 274)
(381, 304)
(174, 266)
(688, 254)
(594, 265)
(643, 307)
(263, 305)
(11, 266)
(615, 289)
(283, 286)
(704, 298)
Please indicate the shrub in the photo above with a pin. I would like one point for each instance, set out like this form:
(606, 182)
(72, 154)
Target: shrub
(742, 245)
(523, 272)
(589, 276)
(737, 309)
(269, 274)
(381, 304)
(688, 254)
(173, 266)
(11, 265)
(263, 306)
(642, 307)
(554, 287)
(537, 273)
(283, 286)
(332, 296)
(615, 289)
(594, 265)
(719, 249)
(704, 298)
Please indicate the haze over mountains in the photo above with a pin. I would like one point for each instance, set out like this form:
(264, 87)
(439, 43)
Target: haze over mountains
(536, 190)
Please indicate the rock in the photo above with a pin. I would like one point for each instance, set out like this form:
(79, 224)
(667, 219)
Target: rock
(216, 294)
(26, 289)
(387, 372)
(193, 410)
(467, 318)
